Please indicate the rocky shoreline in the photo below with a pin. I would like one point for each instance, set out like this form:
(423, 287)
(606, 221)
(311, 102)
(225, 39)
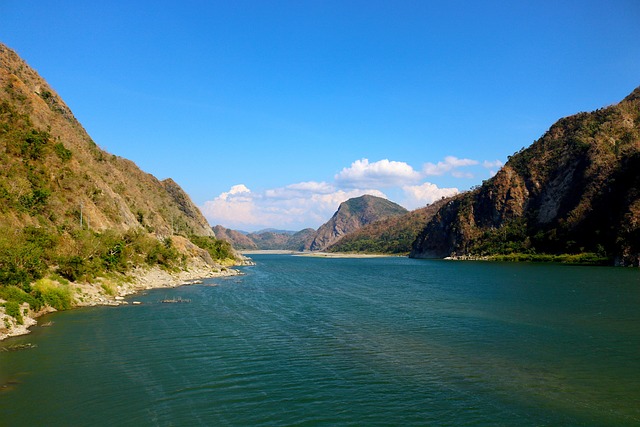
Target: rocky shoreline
(103, 292)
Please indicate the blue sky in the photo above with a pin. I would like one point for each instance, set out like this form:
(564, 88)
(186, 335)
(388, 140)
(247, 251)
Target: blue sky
(270, 113)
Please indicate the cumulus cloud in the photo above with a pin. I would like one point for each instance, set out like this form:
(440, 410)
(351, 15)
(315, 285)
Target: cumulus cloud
(383, 173)
(449, 164)
(424, 194)
(295, 206)
(234, 206)
(311, 203)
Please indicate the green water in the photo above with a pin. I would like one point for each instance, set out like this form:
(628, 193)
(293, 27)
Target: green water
(315, 342)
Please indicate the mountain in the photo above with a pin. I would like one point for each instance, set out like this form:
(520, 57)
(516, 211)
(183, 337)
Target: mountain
(238, 239)
(575, 190)
(52, 170)
(268, 239)
(393, 235)
(352, 215)
(275, 230)
(73, 216)
(281, 240)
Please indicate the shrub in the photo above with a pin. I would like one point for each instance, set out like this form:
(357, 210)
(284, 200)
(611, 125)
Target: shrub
(72, 268)
(13, 293)
(63, 153)
(218, 249)
(12, 308)
(56, 295)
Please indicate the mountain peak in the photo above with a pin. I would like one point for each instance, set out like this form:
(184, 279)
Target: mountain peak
(53, 169)
(352, 215)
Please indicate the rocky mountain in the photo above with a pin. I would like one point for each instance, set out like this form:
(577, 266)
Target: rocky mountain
(52, 172)
(71, 212)
(237, 239)
(351, 216)
(393, 235)
(269, 239)
(575, 190)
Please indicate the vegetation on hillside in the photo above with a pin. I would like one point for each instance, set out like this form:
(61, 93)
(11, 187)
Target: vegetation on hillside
(393, 235)
(573, 194)
(351, 216)
(219, 250)
(70, 212)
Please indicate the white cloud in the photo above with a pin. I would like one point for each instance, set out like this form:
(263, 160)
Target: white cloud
(383, 173)
(311, 203)
(424, 194)
(449, 164)
(295, 206)
(235, 190)
(234, 206)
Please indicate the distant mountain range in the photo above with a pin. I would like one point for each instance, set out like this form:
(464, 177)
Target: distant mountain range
(350, 216)
(573, 195)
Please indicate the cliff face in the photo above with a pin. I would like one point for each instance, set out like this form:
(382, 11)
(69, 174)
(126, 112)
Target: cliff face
(237, 239)
(576, 189)
(52, 173)
(352, 215)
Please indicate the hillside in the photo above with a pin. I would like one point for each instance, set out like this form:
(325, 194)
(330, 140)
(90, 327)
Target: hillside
(269, 239)
(576, 190)
(351, 216)
(393, 235)
(51, 168)
(237, 239)
(69, 211)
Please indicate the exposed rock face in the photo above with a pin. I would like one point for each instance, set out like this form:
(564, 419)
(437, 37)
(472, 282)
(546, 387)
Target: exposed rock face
(393, 235)
(576, 189)
(52, 171)
(352, 215)
(236, 238)
(197, 224)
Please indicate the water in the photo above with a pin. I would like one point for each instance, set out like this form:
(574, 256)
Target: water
(315, 342)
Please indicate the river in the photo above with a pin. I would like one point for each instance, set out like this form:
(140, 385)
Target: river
(316, 342)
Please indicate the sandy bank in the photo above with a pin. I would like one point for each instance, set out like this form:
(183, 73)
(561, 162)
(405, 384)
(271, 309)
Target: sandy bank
(106, 292)
(313, 254)
(341, 255)
(269, 252)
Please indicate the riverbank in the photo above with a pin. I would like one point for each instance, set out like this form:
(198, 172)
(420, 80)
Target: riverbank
(314, 254)
(112, 293)
(342, 255)
(586, 258)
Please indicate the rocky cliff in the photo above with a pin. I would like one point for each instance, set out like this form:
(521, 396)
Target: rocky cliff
(575, 190)
(393, 235)
(351, 216)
